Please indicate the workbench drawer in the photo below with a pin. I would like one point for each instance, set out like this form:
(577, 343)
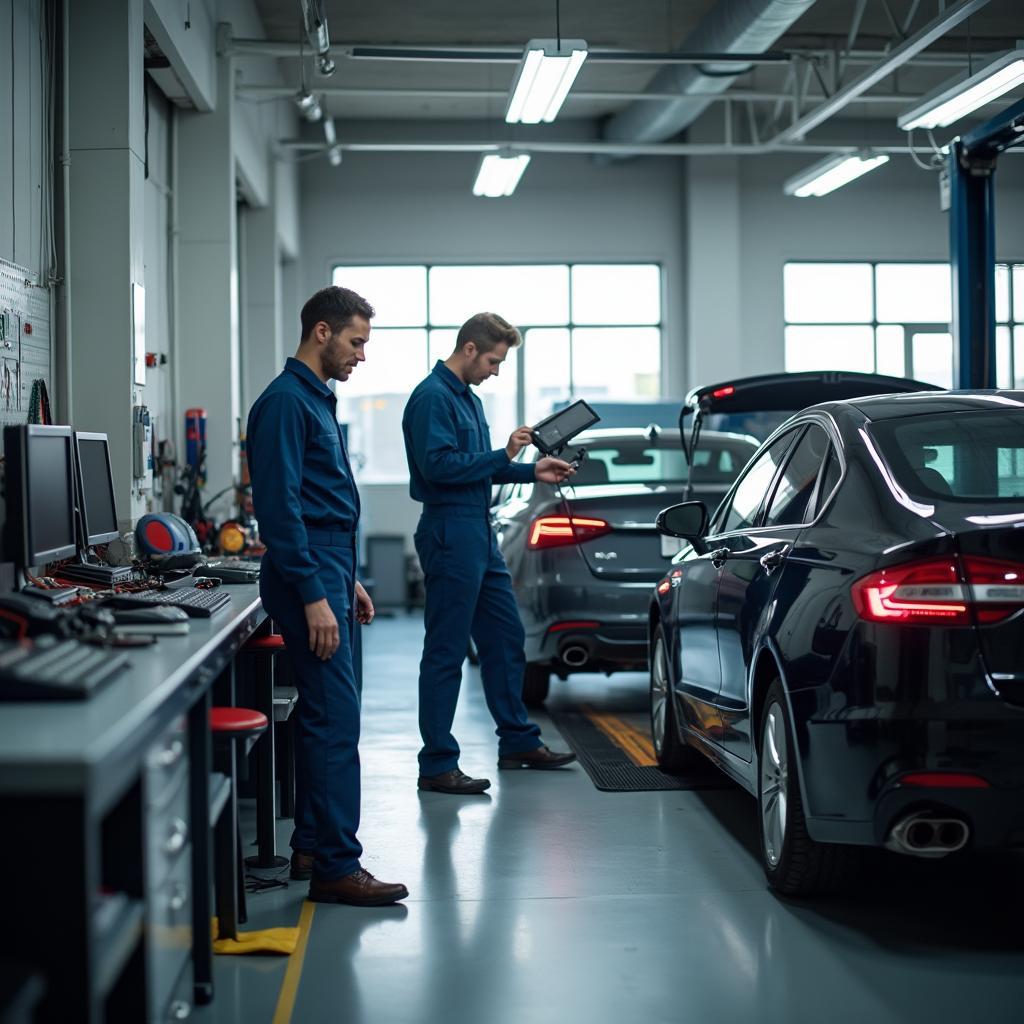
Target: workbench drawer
(169, 934)
(166, 764)
(168, 834)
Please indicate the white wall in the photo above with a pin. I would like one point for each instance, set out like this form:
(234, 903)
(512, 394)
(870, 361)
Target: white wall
(410, 208)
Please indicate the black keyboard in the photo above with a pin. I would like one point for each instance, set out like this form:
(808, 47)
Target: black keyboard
(199, 604)
(52, 669)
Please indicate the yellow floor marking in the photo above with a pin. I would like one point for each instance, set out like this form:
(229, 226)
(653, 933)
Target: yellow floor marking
(290, 985)
(636, 746)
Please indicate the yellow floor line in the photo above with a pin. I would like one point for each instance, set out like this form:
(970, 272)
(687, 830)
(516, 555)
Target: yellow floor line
(636, 746)
(290, 985)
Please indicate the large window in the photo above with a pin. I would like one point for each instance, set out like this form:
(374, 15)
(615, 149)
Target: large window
(892, 318)
(589, 331)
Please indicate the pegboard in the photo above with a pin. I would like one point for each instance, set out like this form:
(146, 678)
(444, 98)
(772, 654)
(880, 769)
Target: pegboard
(25, 357)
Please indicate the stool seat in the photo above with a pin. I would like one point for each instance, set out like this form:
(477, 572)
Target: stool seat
(270, 642)
(237, 720)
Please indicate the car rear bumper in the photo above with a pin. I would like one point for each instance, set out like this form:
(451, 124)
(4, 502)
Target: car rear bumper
(613, 639)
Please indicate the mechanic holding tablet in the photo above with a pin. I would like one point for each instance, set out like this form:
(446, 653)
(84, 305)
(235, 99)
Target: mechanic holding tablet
(468, 586)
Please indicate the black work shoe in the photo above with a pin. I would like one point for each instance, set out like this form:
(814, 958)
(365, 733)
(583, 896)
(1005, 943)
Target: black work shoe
(455, 781)
(301, 865)
(359, 889)
(539, 758)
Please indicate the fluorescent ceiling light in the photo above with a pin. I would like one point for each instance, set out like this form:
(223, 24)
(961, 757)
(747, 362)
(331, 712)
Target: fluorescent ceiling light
(498, 175)
(957, 98)
(543, 79)
(833, 172)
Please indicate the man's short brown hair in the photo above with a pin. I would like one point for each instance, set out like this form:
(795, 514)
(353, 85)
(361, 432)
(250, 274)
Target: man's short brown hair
(487, 330)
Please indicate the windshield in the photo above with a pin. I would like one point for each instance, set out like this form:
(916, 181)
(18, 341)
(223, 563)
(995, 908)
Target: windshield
(718, 461)
(968, 456)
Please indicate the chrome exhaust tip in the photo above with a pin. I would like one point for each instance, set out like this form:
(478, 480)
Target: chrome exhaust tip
(921, 834)
(574, 655)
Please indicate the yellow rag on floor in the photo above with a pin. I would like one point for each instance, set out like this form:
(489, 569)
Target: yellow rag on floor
(267, 940)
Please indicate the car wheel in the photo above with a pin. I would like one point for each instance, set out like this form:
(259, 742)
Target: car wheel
(536, 683)
(674, 756)
(794, 863)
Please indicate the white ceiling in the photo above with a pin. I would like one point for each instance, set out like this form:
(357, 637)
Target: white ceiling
(652, 25)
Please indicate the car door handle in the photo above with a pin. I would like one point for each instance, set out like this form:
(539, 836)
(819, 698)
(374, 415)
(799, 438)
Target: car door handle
(771, 561)
(719, 556)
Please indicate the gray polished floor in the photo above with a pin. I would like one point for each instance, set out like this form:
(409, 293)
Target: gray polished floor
(547, 900)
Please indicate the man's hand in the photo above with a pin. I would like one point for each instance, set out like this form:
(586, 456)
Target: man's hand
(550, 470)
(323, 629)
(518, 440)
(364, 606)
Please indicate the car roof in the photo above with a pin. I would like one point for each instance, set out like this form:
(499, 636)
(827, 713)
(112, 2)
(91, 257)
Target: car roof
(883, 407)
(644, 434)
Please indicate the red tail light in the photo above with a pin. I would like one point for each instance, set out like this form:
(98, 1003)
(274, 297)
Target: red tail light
(943, 591)
(944, 780)
(723, 392)
(556, 531)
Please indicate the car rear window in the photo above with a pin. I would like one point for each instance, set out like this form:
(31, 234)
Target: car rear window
(968, 456)
(644, 462)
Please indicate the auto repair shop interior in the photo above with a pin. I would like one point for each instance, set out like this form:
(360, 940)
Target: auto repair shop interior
(754, 603)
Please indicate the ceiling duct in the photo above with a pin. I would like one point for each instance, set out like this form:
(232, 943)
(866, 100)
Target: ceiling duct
(735, 26)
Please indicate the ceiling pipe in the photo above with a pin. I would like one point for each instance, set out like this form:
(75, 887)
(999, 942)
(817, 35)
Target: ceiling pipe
(742, 26)
(903, 53)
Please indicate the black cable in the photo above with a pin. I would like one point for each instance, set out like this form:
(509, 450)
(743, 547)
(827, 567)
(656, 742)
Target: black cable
(558, 23)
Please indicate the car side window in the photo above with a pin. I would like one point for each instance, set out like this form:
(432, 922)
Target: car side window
(796, 481)
(830, 474)
(753, 486)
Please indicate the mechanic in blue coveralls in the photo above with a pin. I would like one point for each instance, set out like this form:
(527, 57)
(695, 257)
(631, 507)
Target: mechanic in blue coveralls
(468, 586)
(308, 510)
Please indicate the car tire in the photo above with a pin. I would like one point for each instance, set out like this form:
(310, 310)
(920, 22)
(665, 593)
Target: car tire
(794, 864)
(536, 683)
(674, 756)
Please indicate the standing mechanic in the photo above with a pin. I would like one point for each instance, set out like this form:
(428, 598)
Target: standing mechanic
(468, 586)
(308, 509)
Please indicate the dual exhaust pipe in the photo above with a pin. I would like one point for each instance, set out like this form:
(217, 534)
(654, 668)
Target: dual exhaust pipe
(921, 834)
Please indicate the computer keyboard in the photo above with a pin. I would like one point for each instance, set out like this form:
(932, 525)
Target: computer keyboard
(52, 669)
(200, 604)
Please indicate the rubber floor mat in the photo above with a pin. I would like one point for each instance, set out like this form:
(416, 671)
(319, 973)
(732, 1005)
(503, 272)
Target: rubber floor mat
(610, 767)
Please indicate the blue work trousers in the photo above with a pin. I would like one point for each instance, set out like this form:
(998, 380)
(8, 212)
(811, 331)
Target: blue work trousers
(327, 785)
(468, 593)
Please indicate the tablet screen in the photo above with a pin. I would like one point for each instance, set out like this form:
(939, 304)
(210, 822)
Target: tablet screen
(558, 430)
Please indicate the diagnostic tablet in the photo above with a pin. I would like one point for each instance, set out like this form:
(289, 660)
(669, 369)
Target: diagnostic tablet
(552, 434)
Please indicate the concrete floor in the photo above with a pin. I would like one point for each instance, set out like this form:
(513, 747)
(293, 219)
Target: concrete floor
(547, 900)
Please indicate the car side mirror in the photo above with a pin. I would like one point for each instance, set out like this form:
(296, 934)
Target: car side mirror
(688, 520)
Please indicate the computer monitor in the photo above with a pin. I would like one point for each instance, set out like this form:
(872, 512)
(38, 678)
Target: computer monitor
(39, 477)
(95, 488)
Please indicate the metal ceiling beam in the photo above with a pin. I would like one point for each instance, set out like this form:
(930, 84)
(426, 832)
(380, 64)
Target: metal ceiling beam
(932, 32)
(287, 91)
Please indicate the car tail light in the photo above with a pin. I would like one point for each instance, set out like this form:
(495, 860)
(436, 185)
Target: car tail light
(555, 531)
(917, 593)
(941, 590)
(561, 627)
(723, 392)
(944, 780)
(997, 587)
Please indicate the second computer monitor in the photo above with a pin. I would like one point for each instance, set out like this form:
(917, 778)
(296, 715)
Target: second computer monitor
(95, 488)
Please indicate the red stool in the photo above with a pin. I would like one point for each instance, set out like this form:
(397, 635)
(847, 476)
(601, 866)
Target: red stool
(258, 661)
(231, 728)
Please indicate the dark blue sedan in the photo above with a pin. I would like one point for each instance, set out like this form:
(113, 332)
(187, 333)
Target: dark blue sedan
(844, 636)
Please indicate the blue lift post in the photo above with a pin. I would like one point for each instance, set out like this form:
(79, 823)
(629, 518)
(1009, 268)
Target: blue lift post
(972, 165)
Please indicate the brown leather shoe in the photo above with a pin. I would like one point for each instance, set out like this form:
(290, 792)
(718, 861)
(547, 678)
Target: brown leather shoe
(539, 758)
(302, 865)
(455, 781)
(360, 889)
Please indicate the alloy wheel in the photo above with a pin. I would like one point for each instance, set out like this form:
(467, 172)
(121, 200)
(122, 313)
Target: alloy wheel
(659, 695)
(774, 782)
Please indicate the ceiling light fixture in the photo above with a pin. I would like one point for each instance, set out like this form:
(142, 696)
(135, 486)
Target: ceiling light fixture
(314, 20)
(543, 79)
(965, 93)
(308, 104)
(833, 172)
(499, 174)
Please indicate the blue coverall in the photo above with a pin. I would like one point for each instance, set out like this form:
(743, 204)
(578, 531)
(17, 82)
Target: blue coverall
(308, 509)
(468, 586)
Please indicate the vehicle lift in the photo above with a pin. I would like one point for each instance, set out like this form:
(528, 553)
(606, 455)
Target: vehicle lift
(971, 167)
